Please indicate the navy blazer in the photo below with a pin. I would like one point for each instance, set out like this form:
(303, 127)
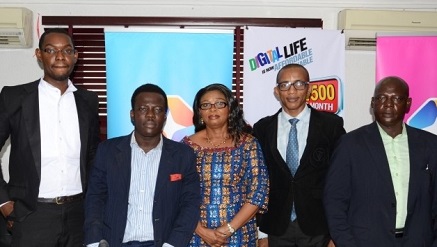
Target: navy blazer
(19, 120)
(176, 203)
(359, 196)
(305, 189)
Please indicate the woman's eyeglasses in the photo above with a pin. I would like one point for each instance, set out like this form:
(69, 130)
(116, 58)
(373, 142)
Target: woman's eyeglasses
(217, 105)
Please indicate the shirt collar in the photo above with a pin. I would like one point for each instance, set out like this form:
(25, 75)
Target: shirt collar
(134, 143)
(304, 115)
(386, 136)
(45, 85)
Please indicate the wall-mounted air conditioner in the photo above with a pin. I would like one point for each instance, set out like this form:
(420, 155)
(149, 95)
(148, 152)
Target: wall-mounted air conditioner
(360, 26)
(15, 27)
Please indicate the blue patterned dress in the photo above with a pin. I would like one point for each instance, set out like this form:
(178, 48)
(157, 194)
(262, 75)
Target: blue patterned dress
(229, 178)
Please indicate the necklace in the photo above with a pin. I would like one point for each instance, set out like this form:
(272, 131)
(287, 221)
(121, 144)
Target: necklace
(216, 145)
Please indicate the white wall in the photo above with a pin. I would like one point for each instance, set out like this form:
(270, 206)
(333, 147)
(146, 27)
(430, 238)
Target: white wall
(19, 66)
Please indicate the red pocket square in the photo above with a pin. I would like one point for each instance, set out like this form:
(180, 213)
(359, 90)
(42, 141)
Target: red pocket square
(175, 177)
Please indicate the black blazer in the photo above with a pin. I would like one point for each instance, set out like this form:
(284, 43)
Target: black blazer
(306, 188)
(176, 204)
(19, 120)
(359, 196)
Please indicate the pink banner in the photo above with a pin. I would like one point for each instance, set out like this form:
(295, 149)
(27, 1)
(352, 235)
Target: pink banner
(413, 58)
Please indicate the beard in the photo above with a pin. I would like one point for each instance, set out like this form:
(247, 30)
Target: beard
(62, 77)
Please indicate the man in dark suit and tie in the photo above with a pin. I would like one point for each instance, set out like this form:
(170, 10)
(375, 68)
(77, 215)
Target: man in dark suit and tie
(381, 186)
(144, 188)
(297, 143)
(54, 132)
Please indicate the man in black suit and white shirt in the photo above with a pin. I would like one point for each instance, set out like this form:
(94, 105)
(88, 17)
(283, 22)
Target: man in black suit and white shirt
(295, 214)
(54, 131)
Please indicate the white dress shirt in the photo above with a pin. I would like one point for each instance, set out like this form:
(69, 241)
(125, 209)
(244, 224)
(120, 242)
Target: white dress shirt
(60, 141)
(144, 171)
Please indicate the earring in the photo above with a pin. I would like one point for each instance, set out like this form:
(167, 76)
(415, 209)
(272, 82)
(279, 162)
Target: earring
(201, 121)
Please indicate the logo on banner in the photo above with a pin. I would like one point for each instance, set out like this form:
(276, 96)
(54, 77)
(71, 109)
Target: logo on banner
(179, 119)
(325, 95)
(425, 117)
(276, 58)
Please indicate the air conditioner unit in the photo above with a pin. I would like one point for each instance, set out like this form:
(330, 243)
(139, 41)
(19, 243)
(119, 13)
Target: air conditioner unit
(15, 27)
(360, 26)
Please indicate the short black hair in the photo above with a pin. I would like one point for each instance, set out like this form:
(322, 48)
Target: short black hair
(53, 30)
(149, 88)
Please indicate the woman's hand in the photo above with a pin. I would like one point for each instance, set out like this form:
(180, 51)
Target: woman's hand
(213, 237)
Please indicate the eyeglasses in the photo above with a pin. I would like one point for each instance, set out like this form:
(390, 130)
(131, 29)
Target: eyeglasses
(396, 99)
(217, 105)
(298, 85)
(66, 51)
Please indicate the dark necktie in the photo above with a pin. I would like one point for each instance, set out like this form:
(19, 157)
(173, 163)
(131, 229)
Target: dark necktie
(292, 154)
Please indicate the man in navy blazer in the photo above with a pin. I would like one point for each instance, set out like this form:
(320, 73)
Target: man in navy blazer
(144, 189)
(381, 186)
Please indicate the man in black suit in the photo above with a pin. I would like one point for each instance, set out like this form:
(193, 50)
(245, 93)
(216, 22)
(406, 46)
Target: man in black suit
(5, 235)
(295, 214)
(54, 131)
(381, 186)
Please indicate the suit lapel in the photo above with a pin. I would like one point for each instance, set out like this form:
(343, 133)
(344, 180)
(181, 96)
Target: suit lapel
(314, 149)
(272, 136)
(123, 160)
(379, 161)
(416, 149)
(30, 108)
(82, 113)
(312, 141)
(165, 164)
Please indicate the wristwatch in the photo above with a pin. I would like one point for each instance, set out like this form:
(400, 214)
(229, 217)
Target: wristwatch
(231, 229)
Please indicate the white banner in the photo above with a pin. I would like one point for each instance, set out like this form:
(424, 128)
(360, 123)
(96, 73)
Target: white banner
(267, 50)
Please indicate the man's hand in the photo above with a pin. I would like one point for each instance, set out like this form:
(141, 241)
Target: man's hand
(331, 243)
(264, 242)
(6, 210)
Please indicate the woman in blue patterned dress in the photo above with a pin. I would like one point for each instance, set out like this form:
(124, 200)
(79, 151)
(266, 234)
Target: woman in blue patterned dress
(233, 175)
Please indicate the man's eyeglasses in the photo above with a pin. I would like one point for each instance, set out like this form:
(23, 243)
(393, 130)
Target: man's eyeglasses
(298, 85)
(396, 99)
(66, 51)
(217, 105)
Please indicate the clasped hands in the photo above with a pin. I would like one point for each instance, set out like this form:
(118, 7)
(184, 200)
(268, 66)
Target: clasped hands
(216, 237)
